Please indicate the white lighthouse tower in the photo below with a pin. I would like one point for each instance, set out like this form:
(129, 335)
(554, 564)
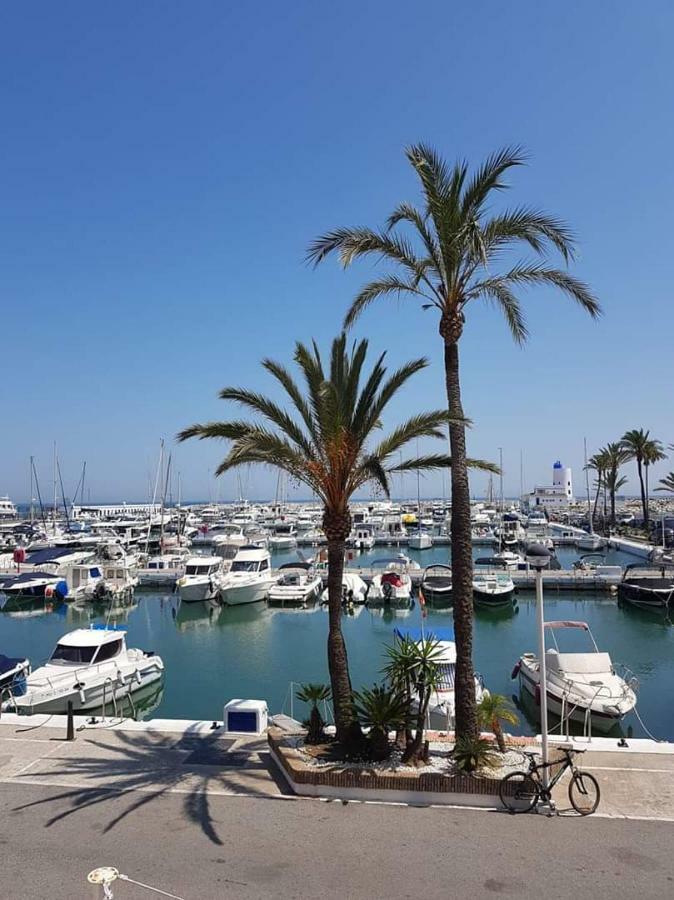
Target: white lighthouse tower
(562, 480)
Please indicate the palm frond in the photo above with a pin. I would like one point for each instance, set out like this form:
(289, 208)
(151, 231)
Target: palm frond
(530, 274)
(488, 177)
(271, 411)
(507, 302)
(442, 461)
(389, 284)
(226, 431)
(536, 228)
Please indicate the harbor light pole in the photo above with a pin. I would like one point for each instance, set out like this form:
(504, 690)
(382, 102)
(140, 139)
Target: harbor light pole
(538, 557)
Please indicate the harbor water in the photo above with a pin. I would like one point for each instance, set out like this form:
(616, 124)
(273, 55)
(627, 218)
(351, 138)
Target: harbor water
(213, 654)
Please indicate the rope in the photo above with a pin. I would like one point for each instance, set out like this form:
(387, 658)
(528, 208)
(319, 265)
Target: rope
(149, 887)
(641, 722)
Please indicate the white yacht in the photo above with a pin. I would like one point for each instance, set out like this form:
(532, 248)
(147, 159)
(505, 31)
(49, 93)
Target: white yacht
(7, 509)
(90, 667)
(84, 581)
(361, 537)
(442, 705)
(284, 537)
(250, 577)
(298, 582)
(579, 685)
(393, 584)
(591, 541)
(162, 571)
(119, 576)
(202, 579)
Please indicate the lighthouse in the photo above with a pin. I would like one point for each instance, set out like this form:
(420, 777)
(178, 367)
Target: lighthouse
(562, 481)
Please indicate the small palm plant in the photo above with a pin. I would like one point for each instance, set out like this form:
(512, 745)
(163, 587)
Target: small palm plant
(471, 754)
(381, 709)
(492, 710)
(314, 694)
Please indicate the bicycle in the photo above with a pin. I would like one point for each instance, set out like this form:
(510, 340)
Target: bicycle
(521, 791)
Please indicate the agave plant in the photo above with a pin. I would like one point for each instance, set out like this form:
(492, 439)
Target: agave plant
(381, 709)
(471, 754)
(314, 694)
(414, 668)
(492, 710)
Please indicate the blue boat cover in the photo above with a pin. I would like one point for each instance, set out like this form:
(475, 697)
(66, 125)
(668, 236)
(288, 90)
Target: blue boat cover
(436, 634)
(37, 557)
(7, 663)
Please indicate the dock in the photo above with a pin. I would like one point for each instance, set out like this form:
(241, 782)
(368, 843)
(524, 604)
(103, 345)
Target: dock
(559, 580)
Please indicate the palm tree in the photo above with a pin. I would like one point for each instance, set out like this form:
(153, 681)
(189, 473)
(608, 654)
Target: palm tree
(639, 446)
(324, 440)
(494, 709)
(614, 457)
(449, 257)
(654, 453)
(598, 463)
(314, 694)
(667, 483)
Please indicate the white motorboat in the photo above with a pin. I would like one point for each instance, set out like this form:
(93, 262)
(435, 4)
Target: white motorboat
(298, 582)
(119, 576)
(162, 571)
(202, 580)
(32, 585)
(436, 585)
(84, 581)
(492, 587)
(422, 540)
(442, 704)
(250, 577)
(361, 537)
(591, 542)
(354, 589)
(229, 535)
(579, 685)
(284, 537)
(393, 584)
(7, 509)
(90, 667)
(510, 559)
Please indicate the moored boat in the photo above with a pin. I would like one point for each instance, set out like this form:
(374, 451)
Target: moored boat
(298, 582)
(642, 587)
(90, 668)
(436, 585)
(250, 578)
(580, 686)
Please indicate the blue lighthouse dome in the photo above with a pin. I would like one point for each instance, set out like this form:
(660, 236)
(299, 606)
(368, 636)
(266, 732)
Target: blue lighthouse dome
(557, 465)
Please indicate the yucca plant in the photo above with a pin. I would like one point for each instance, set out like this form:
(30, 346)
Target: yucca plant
(381, 709)
(471, 754)
(449, 254)
(327, 437)
(314, 694)
(492, 710)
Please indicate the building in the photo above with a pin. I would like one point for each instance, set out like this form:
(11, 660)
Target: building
(559, 493)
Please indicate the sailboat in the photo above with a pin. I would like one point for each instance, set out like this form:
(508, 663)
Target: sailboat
(422, 540)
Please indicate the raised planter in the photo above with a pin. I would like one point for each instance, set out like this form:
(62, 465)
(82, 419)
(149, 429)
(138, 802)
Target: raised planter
(363, 783)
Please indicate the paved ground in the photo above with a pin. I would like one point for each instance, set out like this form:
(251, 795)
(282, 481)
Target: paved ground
(168, 816)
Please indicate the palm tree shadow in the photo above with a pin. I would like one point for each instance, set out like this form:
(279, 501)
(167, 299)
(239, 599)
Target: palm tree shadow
(154, 765)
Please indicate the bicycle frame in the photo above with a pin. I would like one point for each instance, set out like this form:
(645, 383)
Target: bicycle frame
(536, 768)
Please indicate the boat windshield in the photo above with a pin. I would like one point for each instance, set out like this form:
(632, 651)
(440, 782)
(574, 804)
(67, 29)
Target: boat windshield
(240, 565)
(446, 677)
(66, 654)
(197, 570)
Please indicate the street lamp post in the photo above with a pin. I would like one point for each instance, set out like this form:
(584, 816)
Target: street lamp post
(538, 558)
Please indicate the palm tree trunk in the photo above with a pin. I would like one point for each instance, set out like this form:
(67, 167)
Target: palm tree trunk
(338, 663)
(644, 505)
(647, 517)
(462, 552)
(596, 497)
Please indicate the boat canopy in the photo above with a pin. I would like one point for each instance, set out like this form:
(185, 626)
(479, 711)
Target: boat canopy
(296, 565)
(569, 624)
(51, 554)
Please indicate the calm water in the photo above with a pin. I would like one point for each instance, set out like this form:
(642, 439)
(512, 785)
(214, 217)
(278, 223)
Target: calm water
(214, 654)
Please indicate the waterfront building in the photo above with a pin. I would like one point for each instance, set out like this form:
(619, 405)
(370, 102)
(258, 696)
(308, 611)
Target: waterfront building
(559, 493)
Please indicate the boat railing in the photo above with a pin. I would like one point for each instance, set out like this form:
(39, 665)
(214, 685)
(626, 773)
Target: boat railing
(41, 690)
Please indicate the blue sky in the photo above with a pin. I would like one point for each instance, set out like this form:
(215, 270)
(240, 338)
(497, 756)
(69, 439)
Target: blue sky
(164, 166)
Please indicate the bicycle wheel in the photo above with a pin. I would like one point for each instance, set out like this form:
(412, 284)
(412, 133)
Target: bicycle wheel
(584, 793)
(518, 792)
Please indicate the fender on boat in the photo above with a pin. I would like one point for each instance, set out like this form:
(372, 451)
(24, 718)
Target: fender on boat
(516, 671)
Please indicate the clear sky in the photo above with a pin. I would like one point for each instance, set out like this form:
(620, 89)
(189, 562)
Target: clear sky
(163, 167)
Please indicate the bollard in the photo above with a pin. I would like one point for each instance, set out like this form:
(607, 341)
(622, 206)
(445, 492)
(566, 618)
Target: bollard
(70, 732)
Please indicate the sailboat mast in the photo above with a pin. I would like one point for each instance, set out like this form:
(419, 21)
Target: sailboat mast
(500, 465)
(31, 491)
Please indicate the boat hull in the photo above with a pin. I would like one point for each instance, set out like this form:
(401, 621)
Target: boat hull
(237, 595)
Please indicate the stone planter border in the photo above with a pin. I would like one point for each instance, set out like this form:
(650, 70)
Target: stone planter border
(417, 788)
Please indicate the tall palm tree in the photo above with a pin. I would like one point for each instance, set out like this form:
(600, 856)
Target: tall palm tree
(639, 446)
(447, 254)
(597, 463)
(667, 483)
(654, 453)
(615, 457)
(325, 439)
